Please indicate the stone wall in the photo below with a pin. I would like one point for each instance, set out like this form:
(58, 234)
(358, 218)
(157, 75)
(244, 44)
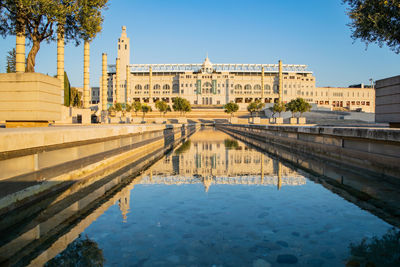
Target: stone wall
(388, 101)
(29, 97)
(371, 149)
(36, 161)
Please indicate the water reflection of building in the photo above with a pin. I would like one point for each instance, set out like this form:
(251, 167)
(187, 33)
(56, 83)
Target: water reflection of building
(221, 160)
(124, 201)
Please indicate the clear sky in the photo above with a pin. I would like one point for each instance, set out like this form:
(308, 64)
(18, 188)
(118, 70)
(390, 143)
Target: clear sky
(310, 32)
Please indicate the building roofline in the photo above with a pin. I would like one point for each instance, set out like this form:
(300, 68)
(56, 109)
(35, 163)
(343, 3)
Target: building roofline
(219, 67)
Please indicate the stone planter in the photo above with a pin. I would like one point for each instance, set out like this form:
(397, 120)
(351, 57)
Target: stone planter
(233, 120)
(278, 120)
(301, 120)
(182, 120)
(159, 120)
(254, 120)
(29, 98)
(293, 120)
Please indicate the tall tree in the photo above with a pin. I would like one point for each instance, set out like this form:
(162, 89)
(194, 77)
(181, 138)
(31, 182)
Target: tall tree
(41, 19)
(11, 60)
(375, 21)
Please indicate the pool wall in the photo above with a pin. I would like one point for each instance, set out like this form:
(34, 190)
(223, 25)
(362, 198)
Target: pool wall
(374, 149)
(37, 161)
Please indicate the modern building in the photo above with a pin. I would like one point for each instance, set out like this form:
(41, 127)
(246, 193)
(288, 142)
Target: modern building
(209, 84)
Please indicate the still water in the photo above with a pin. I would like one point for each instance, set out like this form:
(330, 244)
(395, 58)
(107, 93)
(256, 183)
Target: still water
(215, 201)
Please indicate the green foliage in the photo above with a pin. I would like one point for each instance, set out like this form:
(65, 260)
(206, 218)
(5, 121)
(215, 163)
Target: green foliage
(375, 21)
(302, 106)
(279, 108)
(231, 108)
(162, 106)
(41, 20)
(136, 107)
(118, 106)
(231, 144)
(11, 61)
(81, 252)
(255, 106)
(145, 108)
(67, 90)
(183, 148)
(76, 98)
(128, 107)
(292, 107)
(298, 105)
(182, 105)
(384, 251)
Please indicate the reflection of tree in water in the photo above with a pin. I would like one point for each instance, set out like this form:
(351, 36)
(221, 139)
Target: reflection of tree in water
(384, 251)
(81, 252)
(231, 144)
(183, 148)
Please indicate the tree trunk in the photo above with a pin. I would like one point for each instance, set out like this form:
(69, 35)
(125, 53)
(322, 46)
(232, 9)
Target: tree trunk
(30, 64)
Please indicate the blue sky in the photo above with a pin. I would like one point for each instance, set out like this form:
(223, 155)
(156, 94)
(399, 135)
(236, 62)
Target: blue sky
(310, 32)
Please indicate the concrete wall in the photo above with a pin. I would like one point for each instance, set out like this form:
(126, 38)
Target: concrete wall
(29, 97)
(388, 101)
(31, 167)
(375, 150)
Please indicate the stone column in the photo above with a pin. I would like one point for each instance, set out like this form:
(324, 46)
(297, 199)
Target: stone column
(262, 84)
(20, 52)
(280, 81)
(60, 61)
(117, 70)
(150, 87)
(279, 176)
(86, 64)
(104, 84)
(128, 92)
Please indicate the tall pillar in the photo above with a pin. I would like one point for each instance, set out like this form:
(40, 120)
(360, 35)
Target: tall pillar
(279, 176)
(117, 71)
(60, 62)
(280, 81)
(128, 92)
(86, 64)
(262, 85)
(20, 52)
(150, 87)
(104, 84)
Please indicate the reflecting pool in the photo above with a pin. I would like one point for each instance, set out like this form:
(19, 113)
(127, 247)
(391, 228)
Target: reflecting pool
(214, 201)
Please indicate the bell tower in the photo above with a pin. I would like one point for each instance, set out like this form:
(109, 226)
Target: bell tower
(124, 56)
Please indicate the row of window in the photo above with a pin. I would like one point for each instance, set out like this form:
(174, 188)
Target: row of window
(340, 103)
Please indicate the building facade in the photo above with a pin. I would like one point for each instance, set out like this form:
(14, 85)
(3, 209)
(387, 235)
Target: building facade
(209, 84)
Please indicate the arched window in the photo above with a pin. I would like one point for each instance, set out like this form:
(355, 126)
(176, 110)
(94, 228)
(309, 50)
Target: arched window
(138, 87)
(267, 88)
(146, 87)
(257, 88)
(156, 87)
(207, 84)
(166, 88)
(247, 89)
(238, 89)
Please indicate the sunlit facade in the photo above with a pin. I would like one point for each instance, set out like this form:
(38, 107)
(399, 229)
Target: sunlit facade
(208, 84)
